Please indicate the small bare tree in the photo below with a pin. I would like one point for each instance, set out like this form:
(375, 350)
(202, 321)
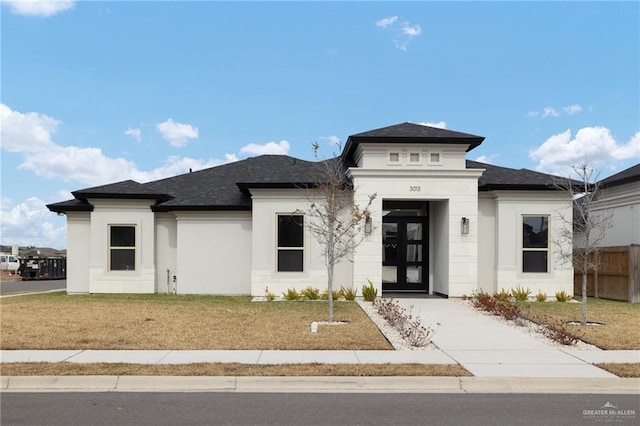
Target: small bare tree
(335, 220)
(588, 226)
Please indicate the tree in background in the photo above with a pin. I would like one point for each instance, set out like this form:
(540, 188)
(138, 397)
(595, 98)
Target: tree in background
(588, 226)
(334, 219)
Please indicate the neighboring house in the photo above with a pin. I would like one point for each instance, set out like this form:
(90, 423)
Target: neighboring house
(620, 196)
(441, 224)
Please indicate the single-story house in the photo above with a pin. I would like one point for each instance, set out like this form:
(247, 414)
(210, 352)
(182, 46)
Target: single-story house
(442, 224)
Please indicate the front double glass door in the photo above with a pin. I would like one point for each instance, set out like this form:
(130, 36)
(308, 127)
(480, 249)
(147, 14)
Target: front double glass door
(404, 254)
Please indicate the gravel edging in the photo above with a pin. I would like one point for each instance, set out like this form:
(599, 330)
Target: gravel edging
(390, 333)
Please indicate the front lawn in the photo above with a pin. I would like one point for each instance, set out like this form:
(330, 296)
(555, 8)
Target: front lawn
(59, 321)
(621, 329)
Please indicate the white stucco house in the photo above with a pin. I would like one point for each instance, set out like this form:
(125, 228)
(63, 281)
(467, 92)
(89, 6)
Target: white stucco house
(442, 224)
(619, 196)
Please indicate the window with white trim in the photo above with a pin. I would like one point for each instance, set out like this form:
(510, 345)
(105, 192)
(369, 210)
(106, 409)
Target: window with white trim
(290, 250)
(535, 244)
(435, 158)
(394, 158)
(122, 248)
(415, 158)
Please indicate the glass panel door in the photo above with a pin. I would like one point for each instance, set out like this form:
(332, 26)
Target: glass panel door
(404, 256)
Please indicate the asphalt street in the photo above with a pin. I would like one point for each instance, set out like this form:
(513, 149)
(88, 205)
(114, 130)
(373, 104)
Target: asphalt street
(19, 286)
(315, 409)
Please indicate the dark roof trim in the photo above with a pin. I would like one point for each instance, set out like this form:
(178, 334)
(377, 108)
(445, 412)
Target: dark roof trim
(409, 133)
(125, 196)
(518, 187)
(632, 174)
(245, 187)
(70, 206)
(161, 208)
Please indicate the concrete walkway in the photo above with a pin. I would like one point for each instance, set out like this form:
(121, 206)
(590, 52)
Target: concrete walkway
(487, 347)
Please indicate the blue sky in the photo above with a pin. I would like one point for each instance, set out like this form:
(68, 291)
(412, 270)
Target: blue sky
(97, 92)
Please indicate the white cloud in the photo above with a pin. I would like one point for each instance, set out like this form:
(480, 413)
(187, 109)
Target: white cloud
(281, 148)
(42, 8)
(404, 31)
(30, 134)
(136, 134)
(438, 124)
(572, 109)
(385, 22)
(550, 111)
(486, 159)
(333, 140)
(411, 30)
(31, 223)
(594, 144)
(177, 134)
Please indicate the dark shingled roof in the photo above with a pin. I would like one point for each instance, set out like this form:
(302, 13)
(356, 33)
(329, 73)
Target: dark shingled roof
(410, 133)
(631, 174)
(227, 187)
(496, 177)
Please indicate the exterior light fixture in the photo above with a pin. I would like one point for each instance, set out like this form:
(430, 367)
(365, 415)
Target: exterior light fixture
(464, 226)
(368, 225)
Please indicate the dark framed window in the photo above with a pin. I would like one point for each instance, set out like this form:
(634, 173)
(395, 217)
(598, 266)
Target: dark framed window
(290, 250)
(122, 248)
(535, 244)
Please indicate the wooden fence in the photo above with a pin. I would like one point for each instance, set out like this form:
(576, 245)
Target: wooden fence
(618, 275)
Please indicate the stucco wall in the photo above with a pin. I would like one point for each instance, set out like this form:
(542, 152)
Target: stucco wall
(623, 204)
(458, 189)
(213, 252)
(122, 212)
(511, 206)
(267, 204)
(78, 251)
(486, 242)
(166, 252)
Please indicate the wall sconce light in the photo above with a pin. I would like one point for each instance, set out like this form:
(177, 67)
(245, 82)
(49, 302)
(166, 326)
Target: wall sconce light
(368, 225)
(464, 226)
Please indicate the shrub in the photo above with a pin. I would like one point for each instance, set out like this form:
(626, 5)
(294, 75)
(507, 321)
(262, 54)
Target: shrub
(492, 304)
(291, 294)
(269, 296)
(484, 301)
(369, 292)
(502, 296)
(520, 294)
(541, 297)
(390, 310)
(349, 293)
(557, 331)
(335, 295)
(310, 293)
(562, 296)
(418, 335)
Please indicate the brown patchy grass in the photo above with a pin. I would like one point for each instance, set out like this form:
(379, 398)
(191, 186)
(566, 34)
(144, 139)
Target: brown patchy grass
(59, 321)
(622, 370)
(621, 329)
(229, 369)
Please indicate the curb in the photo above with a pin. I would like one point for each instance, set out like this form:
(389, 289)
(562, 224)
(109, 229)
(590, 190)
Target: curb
(315, 384)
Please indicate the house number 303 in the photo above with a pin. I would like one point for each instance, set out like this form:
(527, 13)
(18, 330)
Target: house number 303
(414, 189)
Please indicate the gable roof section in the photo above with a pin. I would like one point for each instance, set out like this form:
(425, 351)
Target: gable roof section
(409, 133)
(632, 174)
